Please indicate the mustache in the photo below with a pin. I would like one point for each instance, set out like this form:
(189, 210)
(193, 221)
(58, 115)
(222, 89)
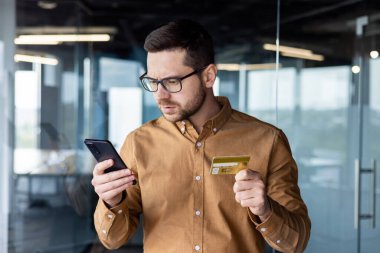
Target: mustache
(165, 102)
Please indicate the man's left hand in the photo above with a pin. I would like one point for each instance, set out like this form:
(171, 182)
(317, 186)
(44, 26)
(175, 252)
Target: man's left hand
(250, 192)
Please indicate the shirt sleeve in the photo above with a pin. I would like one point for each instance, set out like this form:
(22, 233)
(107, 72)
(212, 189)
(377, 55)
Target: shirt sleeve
(116, 225)
(288, 227)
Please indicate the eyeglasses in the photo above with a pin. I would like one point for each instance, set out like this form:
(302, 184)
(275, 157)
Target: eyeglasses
(171, 84)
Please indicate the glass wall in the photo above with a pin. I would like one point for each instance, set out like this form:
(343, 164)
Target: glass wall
(326, 102)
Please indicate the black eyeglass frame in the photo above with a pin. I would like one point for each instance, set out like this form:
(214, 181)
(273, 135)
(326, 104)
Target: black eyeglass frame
(167, 78)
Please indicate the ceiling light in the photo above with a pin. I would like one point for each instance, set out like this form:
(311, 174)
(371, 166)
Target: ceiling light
(374, 54)
(59, 38)
(35, 59)
(355, 69)
(285, 49)
(295, 52)
(17, 41)
(313, 57)
(66, 30)
(237, 67)
(47, 5)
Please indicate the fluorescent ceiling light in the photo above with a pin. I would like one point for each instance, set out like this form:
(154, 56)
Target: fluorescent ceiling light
(66, 30)
(59, 38)
(285, 49)
(237, 67)
(35, 59)
(47, 5)
(295, 52)
(313, 57)
(17, 41)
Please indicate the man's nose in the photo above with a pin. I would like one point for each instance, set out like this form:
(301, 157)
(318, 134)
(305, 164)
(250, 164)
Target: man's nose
(162, 92)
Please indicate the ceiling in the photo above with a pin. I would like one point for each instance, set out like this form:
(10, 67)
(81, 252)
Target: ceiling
(239, 27)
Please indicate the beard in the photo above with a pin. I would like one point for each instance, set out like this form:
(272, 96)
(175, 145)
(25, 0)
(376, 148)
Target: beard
(191, 107)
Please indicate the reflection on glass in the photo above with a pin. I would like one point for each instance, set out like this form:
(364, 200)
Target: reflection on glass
(262, 93)
(27, 106)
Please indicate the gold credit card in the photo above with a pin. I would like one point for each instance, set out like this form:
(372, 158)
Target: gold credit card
(225, 165)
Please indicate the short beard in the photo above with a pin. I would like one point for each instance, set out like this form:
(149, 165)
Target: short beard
(191, 107)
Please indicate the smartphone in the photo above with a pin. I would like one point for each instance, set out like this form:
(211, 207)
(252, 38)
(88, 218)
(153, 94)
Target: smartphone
(103, 150)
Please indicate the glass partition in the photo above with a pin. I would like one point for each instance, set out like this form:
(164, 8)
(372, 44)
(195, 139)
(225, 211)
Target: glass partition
(318, 81)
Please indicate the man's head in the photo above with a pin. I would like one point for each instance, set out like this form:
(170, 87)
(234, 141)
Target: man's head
(183, 34)
(180, 69)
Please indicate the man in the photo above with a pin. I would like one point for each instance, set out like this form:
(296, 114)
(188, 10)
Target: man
(185, 208)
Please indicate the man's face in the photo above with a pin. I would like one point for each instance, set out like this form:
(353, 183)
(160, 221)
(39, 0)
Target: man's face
(185, 103)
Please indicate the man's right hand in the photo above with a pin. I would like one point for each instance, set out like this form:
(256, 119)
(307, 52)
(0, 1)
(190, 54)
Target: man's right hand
(109, 186)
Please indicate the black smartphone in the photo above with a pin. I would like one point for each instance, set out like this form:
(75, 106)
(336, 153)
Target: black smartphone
(103, 150)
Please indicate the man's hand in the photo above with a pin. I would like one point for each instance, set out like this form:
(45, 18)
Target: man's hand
(109, 186)
(250, 192)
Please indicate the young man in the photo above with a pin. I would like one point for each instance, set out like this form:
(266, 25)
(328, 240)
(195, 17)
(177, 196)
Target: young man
(185, 208)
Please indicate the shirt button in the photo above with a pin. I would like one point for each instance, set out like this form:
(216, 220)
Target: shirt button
(198, 178)
(104, 231)
(110, 216)
(199, 144)
(214, 130)
(120, 211)
(197, 247)
(197, 213)
(278, 241)
(263, 229)
(182, 129)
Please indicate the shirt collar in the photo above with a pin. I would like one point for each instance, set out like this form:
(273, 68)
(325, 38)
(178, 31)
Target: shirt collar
(223, 115)
(216, 122)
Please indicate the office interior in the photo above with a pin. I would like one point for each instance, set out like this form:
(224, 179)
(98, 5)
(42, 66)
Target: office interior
(69, 71)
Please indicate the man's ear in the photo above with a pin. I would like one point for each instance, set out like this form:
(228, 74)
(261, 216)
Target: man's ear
(209, 75)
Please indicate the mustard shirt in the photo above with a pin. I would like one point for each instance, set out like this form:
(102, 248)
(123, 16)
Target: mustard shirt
(185, 209)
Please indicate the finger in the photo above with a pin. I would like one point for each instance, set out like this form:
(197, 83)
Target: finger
(100, 167)
(248, 194)
(106, 196)
(242, 186)
(254, 202)
(247, 185)
(111, 176)
(247, 202)
(247, 175)
(100, 189)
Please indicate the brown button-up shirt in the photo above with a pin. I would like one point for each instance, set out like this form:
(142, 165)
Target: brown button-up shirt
(186, 209)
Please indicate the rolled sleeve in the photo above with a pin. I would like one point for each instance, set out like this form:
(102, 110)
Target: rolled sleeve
(109, 222)
(287, 229)
(276, 231)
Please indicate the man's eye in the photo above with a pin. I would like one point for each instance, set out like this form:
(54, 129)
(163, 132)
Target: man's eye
(153, 82)
(171, 81)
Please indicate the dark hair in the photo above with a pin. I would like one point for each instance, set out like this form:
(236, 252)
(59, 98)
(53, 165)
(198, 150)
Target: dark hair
(183, 34)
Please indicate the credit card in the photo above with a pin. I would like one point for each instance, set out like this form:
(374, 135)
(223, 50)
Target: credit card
(226, 165)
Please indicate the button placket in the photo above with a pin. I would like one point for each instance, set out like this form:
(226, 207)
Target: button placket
(198, 197)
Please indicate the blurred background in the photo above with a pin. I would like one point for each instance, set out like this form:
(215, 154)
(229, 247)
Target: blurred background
(69, 71)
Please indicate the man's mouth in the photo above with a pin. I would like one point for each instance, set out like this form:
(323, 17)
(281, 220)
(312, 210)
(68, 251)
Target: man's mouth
(168, 109)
